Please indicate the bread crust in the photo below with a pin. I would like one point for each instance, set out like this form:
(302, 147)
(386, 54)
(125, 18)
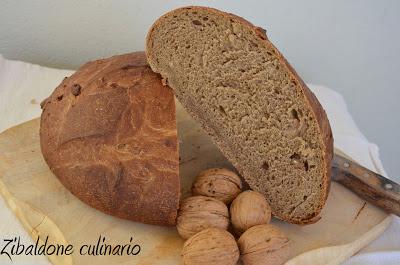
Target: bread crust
(109, 134)
(313, 103)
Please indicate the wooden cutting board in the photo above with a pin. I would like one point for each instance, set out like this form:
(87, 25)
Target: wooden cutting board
(46, 208)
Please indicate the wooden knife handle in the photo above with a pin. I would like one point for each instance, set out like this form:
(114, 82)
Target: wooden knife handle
(369, 185)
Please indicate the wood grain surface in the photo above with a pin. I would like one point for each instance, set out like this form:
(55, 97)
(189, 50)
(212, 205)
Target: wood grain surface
(45, 207)
(369, 185)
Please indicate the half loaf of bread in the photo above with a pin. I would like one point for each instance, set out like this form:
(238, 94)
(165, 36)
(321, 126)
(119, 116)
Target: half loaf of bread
(246, 96)
(109, 134)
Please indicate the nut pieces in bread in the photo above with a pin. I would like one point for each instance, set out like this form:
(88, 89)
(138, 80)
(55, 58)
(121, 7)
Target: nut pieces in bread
(264, 244)
(250, 208)
(219, 183)
(198, 213)
(211, 247)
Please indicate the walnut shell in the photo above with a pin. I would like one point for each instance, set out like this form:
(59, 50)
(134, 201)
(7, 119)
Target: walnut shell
(198, 213)
(219, 183)
(210, 247)
(264, 244)
(250, 208)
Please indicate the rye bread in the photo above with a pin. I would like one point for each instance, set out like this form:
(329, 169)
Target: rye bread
(252, 103)
(109, 134)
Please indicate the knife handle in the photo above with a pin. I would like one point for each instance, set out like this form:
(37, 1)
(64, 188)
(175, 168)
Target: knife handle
(369, 185)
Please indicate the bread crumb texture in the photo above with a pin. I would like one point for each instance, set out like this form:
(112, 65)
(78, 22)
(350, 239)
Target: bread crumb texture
(237, 85)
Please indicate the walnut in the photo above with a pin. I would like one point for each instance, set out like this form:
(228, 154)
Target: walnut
(250, 208)
(264, 244)
(210, 247)
(219, 183)
(198, 213)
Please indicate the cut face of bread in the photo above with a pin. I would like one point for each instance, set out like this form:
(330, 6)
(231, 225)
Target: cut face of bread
(109, 134)
(246, 96)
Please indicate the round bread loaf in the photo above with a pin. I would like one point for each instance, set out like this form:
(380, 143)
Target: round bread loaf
(246, 96)
(109, 134)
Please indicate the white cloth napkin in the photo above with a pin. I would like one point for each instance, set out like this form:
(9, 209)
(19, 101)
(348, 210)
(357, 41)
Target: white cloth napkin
(23, 86)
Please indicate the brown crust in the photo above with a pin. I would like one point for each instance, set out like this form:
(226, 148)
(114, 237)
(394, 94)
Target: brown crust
(317, 110)
(109, 134)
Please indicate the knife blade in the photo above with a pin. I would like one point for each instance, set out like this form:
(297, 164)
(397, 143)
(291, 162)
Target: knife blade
(367, 184)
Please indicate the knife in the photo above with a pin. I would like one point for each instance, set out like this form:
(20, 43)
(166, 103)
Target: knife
(367, 184)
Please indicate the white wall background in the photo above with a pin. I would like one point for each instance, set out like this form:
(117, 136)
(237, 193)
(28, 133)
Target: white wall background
(352, 46)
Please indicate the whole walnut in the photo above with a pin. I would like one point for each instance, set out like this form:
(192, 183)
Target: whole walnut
(219, 183)
(211, 247)
(198, 213)
(250, 208)
(264, 244)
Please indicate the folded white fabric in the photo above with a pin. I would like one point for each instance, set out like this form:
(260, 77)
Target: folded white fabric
(349, 139)
(23, 86)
